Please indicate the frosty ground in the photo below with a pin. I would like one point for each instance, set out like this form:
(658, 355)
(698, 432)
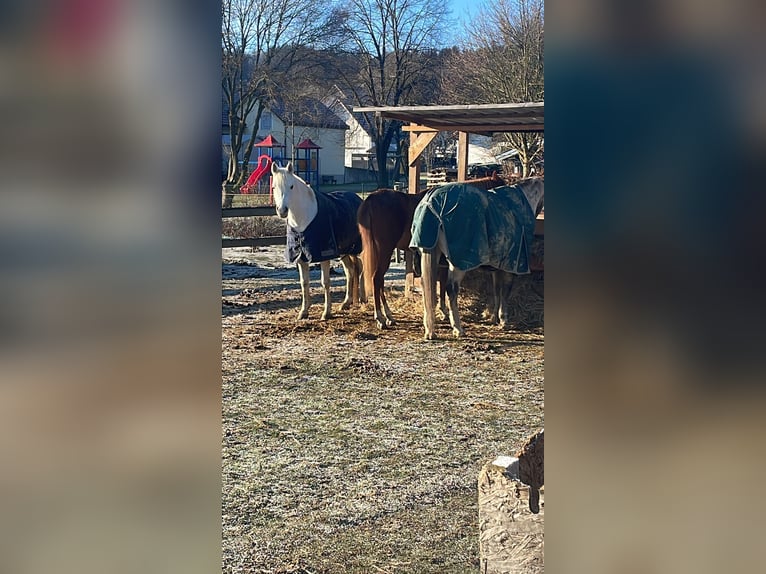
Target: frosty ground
(349, 449)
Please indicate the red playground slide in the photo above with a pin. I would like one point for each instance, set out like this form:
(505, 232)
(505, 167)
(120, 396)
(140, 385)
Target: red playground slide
(264, 165)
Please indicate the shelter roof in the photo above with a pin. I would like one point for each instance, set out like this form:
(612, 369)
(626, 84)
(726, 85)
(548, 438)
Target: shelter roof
(475, 118)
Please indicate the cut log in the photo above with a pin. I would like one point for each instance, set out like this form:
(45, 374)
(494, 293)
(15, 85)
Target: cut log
(510, 534)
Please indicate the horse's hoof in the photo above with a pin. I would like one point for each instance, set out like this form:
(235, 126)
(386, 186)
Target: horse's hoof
(303, 315)
(390, 322)
(326, 316)
(458, 334)
(345, 305)
(429, 336)
(381, 324)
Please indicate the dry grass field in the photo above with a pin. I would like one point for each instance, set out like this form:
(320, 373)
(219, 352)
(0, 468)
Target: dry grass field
(347, 449)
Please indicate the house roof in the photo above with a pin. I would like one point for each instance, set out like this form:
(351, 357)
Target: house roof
(339, 98)
(308, 112)
(475, 118)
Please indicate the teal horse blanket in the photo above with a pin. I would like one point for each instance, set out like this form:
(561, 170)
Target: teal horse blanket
(493, 228)
(331, 234)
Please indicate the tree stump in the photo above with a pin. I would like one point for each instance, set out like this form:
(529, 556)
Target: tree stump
(510, 534)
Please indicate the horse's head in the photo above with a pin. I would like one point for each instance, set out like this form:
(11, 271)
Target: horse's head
(294, 199)
(283, 183)
(534, 190)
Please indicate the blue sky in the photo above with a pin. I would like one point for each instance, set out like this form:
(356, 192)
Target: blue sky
(462, 6)
(462, 10)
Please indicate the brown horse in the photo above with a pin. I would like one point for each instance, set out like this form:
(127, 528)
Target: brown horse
(385, 224)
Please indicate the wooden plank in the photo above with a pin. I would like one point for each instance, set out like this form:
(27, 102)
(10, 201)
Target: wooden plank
(254, 242)
(417, 128)
(418, 144)
(259, 210)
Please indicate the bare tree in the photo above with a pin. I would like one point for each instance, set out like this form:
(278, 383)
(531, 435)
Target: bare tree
(262, 43)
(503, 62)
(393, 41)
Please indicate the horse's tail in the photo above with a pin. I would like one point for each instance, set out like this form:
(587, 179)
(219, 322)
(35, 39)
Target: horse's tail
(369, 249)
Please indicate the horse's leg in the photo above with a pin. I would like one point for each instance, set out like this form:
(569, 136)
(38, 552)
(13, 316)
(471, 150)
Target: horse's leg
(303, 273)
(379, 300)
(506, 281)
(382, 312)
(386, 309)
(352, 284)
(376, 304)
(443, 293)
(429, 262)
(327, 313)
(359, 270)
(383, 264)
(348, 273)
(381, 307)
(491, 312)
(455, 277)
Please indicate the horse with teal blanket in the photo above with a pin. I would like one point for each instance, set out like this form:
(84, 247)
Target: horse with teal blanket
(474, 228)
(385, 222)
(321, 226)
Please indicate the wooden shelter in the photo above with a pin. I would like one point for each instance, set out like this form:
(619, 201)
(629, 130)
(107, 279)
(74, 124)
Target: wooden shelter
(424, 122)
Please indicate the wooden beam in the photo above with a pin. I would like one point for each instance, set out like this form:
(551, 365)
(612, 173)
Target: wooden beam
(413, 176)
(248, 211)
(486, 128)
(462, 156)
(418, 143)
(418, 128)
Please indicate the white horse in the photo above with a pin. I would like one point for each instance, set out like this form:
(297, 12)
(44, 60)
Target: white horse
(533, 191)
(320, 227)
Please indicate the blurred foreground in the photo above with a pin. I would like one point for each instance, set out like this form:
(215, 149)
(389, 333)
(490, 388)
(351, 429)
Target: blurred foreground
(109, 340)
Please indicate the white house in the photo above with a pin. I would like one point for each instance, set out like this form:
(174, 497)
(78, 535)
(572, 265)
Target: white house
(307, 118)
(359, 144)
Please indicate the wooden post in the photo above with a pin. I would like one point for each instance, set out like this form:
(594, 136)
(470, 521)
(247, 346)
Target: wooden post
(418, 143)
(462, 156)
(510, 535)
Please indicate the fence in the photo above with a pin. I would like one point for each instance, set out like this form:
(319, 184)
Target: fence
(268, 210)
(258, 211)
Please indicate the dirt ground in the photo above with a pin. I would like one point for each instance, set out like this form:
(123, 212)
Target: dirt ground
(347, 449)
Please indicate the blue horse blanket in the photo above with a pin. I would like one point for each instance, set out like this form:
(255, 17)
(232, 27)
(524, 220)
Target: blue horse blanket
(331, 234)
(493, 228)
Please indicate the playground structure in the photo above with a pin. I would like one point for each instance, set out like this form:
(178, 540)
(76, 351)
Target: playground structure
(307, 162)
(263, 165)
(306, 165)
